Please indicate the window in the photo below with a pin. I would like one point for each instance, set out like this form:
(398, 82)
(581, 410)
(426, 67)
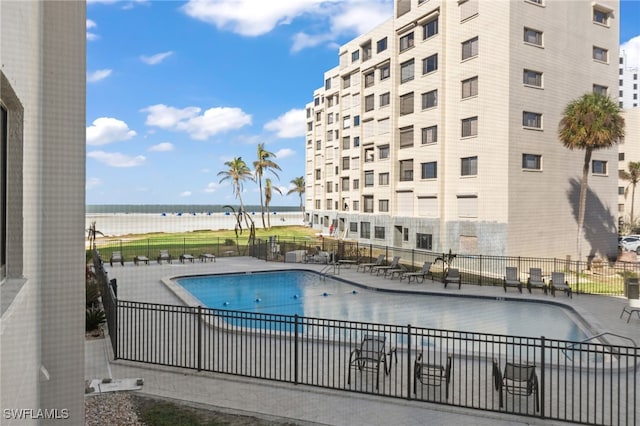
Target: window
(424, 241)
(345, 163)
(603, 90)
(356, 205)
(430, 28)
(346, 121)
(429, 135)
(406, 71)
(356, 141)
(532, 78)
(378, 231)
(468, 9)
(346, 142)
(406, 170)
(383, 206)
(430, 64)
(356, 184)
(318, 174)
(470, 87)
(383, 178)
(366, 51)
(531, 161)
(429, 170)
(600, 54)
(318, 145)
(621, 190)
(600, 16)
(430, 99)
(329, 135)
(406, 42)
(469, 126)
(383, 151)
(327, 84)
(406, 137)
(406, 104)
(346, 81)
(385, 71)
(318, 116)
(385, 99)
(621, 156)
(368, 103)
(369, 79)
(365, 230)
(470, 48)
(355, 55)
(599, 167)
(405, 234)
(367, 202)
(345, 183)
(368, 155)
(381, 45)
(532, 120)
(469, 166)
(330, 118)
(353, 226)
(356, 121)
(368, 178)
(532, 36)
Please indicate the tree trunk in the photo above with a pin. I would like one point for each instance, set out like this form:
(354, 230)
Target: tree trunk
(261, 202)
(633, 197)
(583, 200)
(301, 208)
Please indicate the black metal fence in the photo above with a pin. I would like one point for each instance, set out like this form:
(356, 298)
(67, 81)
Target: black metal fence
(589, 382)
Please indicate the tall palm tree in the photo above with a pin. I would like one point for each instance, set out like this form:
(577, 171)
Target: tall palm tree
(268, 188)
(262, 165)
(92, 234)
(299, 186)
(633, 176)
(237, 173)
(590, 122)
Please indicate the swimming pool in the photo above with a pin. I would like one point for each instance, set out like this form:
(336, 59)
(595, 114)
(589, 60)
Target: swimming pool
(309, 294)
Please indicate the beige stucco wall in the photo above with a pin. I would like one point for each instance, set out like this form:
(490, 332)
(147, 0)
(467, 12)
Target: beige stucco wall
(631, 150)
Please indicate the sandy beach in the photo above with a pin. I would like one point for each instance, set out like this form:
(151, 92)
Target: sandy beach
(116, 224)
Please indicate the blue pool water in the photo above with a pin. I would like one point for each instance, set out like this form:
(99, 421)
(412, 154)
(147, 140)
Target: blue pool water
(308, 294)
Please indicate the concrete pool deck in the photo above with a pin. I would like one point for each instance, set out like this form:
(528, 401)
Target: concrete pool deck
(304, 404)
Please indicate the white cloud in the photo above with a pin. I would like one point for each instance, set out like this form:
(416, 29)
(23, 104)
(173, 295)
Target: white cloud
(360, 16)
(155, 59)
(185, 194)
(284, 153)
(213, 187)
(289, 125)
(91, 24)
(161, 147)
(116, 159)
(92, 183)
(198, 126)
(632, 50)
(105, 130)
(98, 75)
(303, 40)
(205, 170)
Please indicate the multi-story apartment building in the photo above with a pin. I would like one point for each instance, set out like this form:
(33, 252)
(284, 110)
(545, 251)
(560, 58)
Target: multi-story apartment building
(629, 150)
(438, 129)
(628, 83)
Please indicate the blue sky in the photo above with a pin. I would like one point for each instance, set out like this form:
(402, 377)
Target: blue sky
(175, 89)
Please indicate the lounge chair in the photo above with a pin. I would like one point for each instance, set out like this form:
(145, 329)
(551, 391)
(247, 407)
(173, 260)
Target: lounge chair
(418, 276)
(511, 279)
(517, 379)
(633, 306)
(367, 266)
(186, 256)
(453, 276)
(535, 280)
(116, 256)
(559, 283)
(369, 356)
(138, 259)
(384, 268)
(432, 374)
(164, 255)
(207, 256)
(397, 272)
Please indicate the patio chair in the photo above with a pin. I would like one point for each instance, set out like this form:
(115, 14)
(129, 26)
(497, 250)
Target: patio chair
(137, 259)
(164, 255)
(369, 356)
(385, 268)
(559, 283)
(397, 272)
(186, 256)
(517, 379)
(418, 276)
(535, 280)
(511, 279)
(432, 374)
(633, 306)
(116, 256)
(367, 266)
(207, 256)
(453, 276)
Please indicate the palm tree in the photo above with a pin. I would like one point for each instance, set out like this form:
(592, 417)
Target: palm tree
(238, 172)
(633, 176)
(590, 122)
(299, 186)
(262, 165)
(267, 197)
(92, 234)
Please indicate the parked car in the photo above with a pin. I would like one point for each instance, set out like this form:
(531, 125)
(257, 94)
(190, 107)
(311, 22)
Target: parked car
(630, 243)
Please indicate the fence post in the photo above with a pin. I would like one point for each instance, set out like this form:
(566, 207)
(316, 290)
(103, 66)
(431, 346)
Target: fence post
(199, 343)
(542, 376)
(408, 361)
(480, 276)
(295, 349)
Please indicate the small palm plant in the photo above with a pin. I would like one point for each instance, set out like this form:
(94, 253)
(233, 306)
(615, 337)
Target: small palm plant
(446, 259)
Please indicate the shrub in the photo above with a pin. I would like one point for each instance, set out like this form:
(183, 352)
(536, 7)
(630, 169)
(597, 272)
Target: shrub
(92, 293)
(94, 317)
(229, 242)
